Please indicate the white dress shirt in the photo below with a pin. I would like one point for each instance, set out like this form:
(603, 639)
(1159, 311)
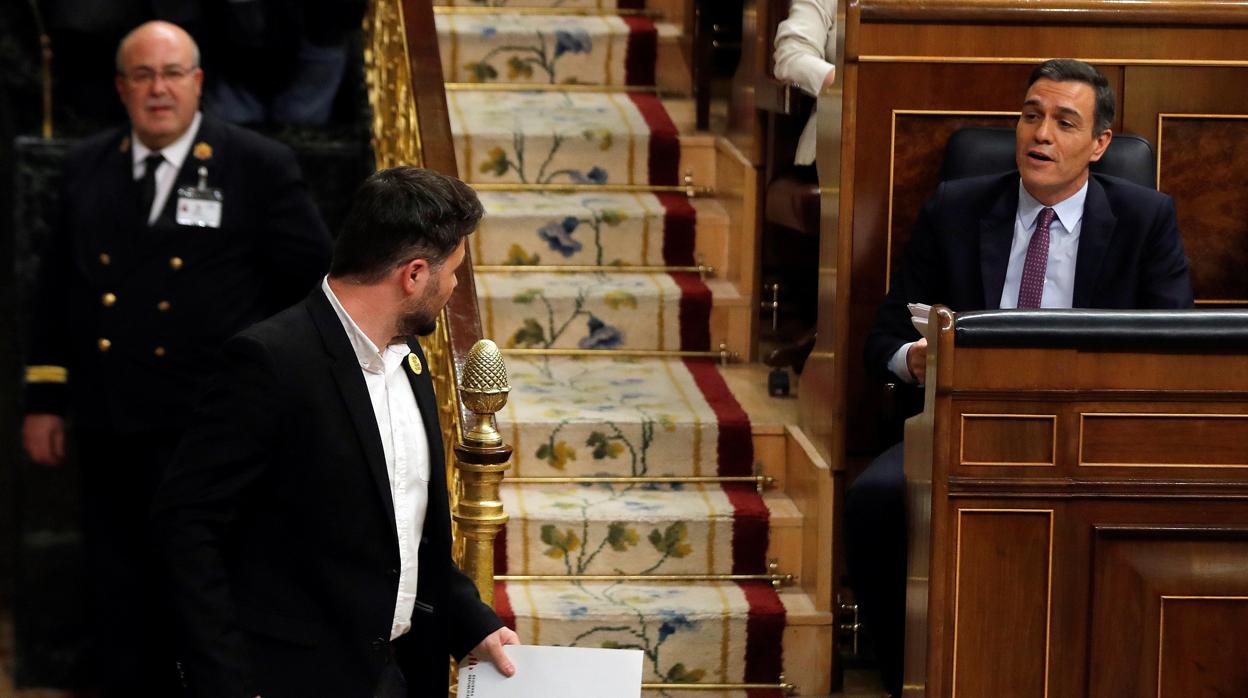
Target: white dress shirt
(805, 49)
(167, 172)
(1059, 277)
(406, 447)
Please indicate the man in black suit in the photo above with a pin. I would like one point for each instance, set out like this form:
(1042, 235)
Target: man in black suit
(305, 516)
(171, 235)
(1051, 235)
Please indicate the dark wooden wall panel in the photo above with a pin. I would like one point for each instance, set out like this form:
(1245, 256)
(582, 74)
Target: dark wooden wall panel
(1203, 645)
(1008, 440)
(1157, 440)
(918, 148)
(993, 546)
(1139, 573)
(1203, 164)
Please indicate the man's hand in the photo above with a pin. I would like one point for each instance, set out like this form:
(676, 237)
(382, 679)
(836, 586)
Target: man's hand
(43, 435)
(828, 81)
(491, 648)
(916, 360)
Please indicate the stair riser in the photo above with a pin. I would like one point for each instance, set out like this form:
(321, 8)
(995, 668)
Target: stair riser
(596, 229)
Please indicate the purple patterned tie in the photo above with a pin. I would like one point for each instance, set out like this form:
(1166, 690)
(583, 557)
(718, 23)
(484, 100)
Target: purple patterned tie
(1037, 262)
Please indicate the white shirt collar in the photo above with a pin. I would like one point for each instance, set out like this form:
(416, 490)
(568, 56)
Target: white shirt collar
(174, 153)
(1069, 210)
(369, 356)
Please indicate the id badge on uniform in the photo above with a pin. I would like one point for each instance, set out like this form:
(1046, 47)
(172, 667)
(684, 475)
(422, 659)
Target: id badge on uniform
(200, 206)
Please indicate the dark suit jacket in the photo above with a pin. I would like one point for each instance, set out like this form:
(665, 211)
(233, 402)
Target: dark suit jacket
(279, 528)
(1130, 255)
(183, 289)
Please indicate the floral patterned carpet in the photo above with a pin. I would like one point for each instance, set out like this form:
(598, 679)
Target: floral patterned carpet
(610, 416)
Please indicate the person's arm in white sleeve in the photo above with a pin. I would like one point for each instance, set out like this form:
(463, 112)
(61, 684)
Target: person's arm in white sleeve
(800, 43)
(899, 366)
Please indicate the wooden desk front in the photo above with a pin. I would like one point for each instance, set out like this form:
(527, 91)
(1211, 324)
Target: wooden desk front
(1079, 524)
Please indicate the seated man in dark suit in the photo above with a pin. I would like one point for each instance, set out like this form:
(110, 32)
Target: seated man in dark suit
(1049, 235)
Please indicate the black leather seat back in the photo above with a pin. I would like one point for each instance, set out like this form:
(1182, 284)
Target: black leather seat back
(977, 150)
(1201, 330)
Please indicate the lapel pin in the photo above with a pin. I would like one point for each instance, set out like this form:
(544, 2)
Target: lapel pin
(125, 145)
(203, 151)
(413, 362)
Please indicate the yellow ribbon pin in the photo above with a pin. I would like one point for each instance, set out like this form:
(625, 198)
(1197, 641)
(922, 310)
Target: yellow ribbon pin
(413, 362)
(203, 151)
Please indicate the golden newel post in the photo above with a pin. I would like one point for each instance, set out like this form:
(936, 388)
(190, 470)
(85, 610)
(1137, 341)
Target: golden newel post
(481, 458)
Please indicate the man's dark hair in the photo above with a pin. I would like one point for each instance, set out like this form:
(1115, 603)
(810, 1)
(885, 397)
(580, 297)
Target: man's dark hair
(1064, 69)
(401, 214)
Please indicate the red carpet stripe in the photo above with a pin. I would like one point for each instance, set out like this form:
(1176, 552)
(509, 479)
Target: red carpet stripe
(750, 529)
(736, 446)
(764, 634)
(664, 140)
(695, 312)
(643, 48)
(502, 605)
(679, 225)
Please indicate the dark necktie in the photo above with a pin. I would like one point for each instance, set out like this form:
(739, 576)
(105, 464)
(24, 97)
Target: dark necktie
(1036, 265)
(147, 185)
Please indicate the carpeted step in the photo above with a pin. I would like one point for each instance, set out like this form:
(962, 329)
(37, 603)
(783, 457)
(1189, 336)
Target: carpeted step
(527, 228)
(597, 310)
(563, 138)
(715, 632)
(637, 529)
(549, 49)
(657, 417)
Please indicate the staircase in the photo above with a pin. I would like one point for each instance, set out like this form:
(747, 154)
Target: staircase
(658, 499)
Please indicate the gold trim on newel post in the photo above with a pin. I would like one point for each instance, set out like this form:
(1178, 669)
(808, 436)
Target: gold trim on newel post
(481, 457)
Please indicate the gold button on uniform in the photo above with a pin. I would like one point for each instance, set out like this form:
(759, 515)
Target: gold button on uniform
(160, 351)
(163, 306)
(108, 299)
(104, 344)
(175, 263)
(105, 259)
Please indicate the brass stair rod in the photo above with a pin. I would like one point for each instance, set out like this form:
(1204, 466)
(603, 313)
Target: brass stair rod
(787, 688)
(481, 457)
(702, 269)
(690, 190)
(546, 87)
(538, 10)
(760, 480)
(775, 579)
(724, 354)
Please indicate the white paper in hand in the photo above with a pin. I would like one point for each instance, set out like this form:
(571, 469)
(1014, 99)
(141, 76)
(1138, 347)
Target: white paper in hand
(556, 672)
(918, 316)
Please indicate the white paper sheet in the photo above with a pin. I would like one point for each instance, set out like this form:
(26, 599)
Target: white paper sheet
(918, 316)
(556, 672)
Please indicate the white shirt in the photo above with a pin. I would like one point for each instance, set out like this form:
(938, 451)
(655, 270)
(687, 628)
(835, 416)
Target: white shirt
(805, 49)
(406, 447)
(1059, 277)
(167, 172)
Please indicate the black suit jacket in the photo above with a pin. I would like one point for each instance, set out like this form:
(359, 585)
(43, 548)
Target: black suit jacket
(178, 291)
(1130, 255)
(279, 528)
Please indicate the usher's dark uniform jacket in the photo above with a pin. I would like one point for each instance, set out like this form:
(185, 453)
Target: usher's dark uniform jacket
(128, 323)
(134, 315)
